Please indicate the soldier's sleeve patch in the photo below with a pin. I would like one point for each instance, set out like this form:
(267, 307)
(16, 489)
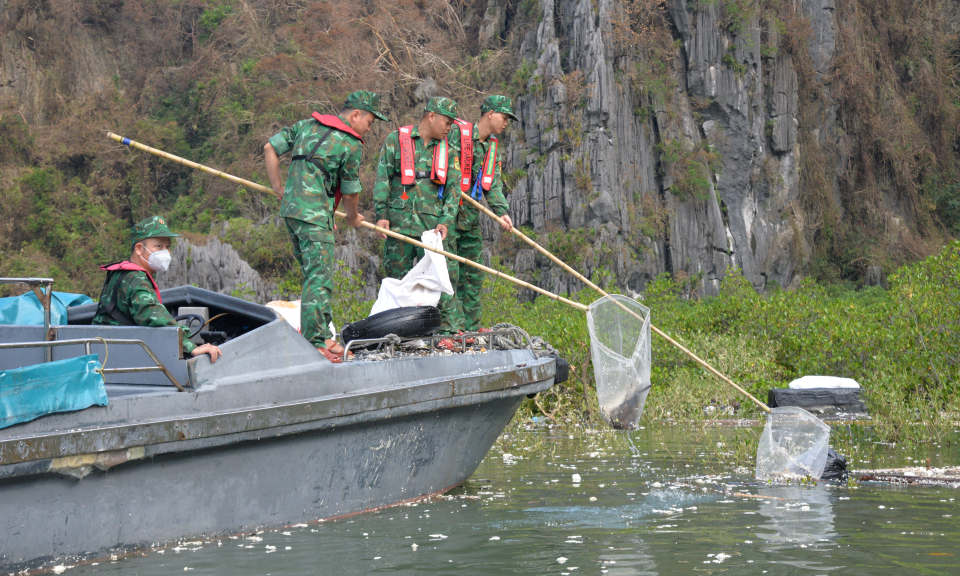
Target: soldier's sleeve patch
(456, 163)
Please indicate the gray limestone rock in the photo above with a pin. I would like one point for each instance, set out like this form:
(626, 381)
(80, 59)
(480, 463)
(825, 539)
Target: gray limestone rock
(601, 152)
(426, 90)
(218, 267)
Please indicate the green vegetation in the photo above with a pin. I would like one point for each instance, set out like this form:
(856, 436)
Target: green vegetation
(902, 345)
(737, 14)
(690, 167)
(738, 68)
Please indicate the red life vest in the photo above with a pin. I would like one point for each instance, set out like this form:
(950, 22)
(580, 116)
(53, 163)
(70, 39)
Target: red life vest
(488, 170)
(489, 165)
(408, 168)
(335, 122)
(466, 153)
(128, 266)
(439, 170)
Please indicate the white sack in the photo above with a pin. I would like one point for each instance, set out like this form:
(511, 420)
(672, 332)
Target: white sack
(421, 286)
(808, 382)
(290, 311)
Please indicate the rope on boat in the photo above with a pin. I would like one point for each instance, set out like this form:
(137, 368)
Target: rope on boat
(106, 354)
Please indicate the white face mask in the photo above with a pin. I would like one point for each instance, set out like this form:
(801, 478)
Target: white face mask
(159, 261)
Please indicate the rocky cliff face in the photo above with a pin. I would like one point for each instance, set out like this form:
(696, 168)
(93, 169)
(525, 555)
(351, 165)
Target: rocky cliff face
(218, 267)
(680, 136)
(615, 160)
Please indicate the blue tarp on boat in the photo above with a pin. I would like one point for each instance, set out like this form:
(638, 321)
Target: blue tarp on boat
(25, 310)
(61, 386)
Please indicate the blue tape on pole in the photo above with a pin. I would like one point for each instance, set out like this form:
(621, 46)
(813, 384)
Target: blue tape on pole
(126, 141)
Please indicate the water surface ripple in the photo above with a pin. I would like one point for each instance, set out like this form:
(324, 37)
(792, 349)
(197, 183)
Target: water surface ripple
(642, 506)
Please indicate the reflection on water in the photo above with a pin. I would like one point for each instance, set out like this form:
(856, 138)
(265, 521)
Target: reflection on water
(797, 515)
(608, 505)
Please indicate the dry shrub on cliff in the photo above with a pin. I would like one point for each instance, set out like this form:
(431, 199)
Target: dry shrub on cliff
(895, 86)
(210, 81)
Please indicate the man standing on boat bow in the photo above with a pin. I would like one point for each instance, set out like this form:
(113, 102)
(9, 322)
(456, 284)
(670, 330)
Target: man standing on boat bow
(130, 296)
(478, 149)
(325, 168)
(417, 189)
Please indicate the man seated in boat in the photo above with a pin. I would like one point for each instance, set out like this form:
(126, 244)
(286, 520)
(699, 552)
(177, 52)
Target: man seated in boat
(130, 296)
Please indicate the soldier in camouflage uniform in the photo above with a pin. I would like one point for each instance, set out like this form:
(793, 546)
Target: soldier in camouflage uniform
(130, 296)
(466, 239)
(414, 209)
(326, 160)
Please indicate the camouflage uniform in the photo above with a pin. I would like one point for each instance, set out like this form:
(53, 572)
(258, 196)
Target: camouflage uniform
(467, 240)
(422, 210)
(308, 206)
(136, 299)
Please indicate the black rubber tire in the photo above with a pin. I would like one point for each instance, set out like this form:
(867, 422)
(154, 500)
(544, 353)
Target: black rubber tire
(563, 370)
(407, 322)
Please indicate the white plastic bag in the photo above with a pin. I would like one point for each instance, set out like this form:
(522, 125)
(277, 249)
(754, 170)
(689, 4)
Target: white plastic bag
(808, 382)
(794, 444)
(290, 311)
(421, 286)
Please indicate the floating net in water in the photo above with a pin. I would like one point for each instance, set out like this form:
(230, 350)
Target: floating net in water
(620, 350)
(794, 444)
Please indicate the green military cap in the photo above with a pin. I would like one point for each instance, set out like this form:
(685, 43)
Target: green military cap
(152, 227)
(363, 100)
(444, 106)
(500, 104)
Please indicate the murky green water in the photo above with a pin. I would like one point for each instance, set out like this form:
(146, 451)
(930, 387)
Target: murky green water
(641, 507)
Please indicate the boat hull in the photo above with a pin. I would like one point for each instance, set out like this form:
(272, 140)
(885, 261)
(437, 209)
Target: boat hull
(270, 435)
(252, 484)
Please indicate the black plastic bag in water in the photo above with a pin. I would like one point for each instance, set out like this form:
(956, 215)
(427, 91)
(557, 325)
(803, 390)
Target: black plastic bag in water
(836, 468)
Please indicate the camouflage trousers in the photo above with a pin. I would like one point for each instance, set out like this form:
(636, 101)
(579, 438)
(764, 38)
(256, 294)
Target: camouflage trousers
(469, 245)
(314, 253)
(400, 257)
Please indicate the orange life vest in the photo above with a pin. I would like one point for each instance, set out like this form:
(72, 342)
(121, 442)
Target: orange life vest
(408, 169)
(487, 171)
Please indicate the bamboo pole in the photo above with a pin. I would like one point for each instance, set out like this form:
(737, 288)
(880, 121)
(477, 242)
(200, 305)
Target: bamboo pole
(497, 273)
(194, 165)
(262, 188)
(468, 262)
(584, 279)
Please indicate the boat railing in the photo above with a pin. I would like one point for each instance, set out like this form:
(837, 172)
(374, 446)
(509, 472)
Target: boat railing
(44, 298)
(516, 337)
(88, 342)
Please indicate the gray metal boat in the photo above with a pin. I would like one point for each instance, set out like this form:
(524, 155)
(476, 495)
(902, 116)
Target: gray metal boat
(270, 435)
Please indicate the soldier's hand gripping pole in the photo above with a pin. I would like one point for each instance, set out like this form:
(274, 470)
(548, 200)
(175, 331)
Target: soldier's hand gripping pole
(262, 188)
(463, 260)
(586, 281)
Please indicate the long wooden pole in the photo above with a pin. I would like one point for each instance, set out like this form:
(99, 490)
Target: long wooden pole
(392, 234)
(194, 165)
(497, 273)
(584, 279)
